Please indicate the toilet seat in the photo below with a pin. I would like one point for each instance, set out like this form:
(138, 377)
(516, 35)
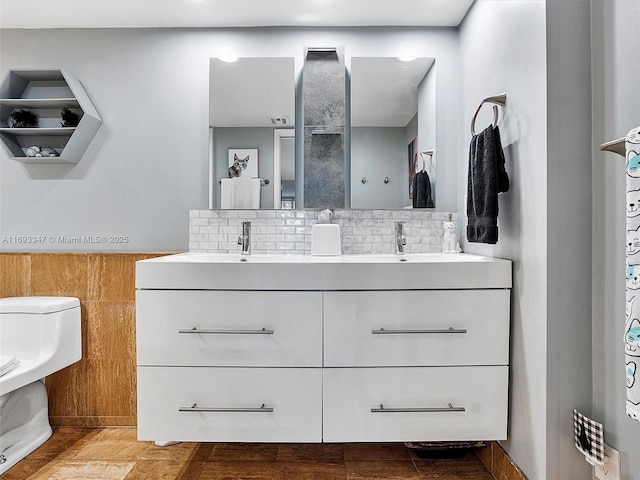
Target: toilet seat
(37, 304)
(7, 363)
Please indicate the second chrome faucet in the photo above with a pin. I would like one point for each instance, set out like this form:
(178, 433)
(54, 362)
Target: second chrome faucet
(245, 238)
(401, 239)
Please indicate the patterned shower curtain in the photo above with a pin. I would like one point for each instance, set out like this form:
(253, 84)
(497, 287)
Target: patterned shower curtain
(632, 324)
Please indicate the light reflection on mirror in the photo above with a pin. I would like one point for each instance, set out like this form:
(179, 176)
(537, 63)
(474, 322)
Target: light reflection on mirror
(251, 112)
(392, 122)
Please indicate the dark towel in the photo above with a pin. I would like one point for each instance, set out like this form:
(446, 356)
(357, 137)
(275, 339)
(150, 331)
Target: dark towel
(487, 178)
(422, 191)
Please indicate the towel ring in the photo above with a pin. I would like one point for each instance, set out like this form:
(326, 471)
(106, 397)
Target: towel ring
(424, 162)
(498, 100)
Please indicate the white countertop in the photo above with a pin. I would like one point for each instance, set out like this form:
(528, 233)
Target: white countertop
(210, 271)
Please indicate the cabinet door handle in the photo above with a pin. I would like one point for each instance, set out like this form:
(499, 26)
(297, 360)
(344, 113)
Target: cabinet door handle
(205, 331)
(196, 408)
(448, 408)
(383, 331)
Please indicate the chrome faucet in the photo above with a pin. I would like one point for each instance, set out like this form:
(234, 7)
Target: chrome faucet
(401, 239)
(245, 238)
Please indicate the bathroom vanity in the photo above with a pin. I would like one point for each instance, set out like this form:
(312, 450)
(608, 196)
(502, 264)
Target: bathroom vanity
(361, 348)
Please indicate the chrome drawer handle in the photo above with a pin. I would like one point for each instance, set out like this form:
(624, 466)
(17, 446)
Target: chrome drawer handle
(449, 408)
(384, 331)
(196, 408)
(205, 331)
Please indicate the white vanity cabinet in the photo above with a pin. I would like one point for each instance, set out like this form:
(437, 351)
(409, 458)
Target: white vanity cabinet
(306, 361)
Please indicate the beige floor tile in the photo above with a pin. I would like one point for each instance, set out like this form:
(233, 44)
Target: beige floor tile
(155, 470)
(181, 452)
(237, 471)
(308, 452)
(376, 451)
(381, 470)
(191, 470)
(75, 453)
(309, 471)
(113, 445)
(93, 470)
(243, 452)
(63, 439)
(26, 468)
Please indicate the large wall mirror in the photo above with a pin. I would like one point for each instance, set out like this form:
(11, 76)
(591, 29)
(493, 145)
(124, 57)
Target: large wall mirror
(252, 140)
(393, 132)
(252, 120)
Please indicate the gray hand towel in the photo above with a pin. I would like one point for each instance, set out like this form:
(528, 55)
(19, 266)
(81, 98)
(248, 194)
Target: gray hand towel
(487, 177)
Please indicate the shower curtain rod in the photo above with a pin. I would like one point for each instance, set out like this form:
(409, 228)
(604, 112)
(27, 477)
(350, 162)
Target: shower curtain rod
(615, 146)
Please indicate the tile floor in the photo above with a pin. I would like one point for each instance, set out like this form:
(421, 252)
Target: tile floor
(115, 454)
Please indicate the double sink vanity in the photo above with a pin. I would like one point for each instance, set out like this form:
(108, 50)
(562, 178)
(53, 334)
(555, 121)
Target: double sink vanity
(352, 348)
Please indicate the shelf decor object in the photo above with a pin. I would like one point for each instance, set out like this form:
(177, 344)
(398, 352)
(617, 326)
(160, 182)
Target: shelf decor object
(53, 96)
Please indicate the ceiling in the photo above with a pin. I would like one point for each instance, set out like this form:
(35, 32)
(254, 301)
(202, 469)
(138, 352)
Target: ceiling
(229, 13)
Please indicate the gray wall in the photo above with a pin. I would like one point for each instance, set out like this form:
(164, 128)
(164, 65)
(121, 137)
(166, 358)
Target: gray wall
(545, 219)
(616, 71)
(569, 180)
(379, 152)
(427, 128)
(496, 56)
(149, 163)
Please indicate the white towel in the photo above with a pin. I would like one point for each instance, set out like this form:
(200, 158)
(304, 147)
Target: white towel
(240, 192)
(632, 324)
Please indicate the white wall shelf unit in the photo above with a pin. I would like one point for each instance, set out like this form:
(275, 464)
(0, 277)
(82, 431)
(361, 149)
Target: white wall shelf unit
(45, 93)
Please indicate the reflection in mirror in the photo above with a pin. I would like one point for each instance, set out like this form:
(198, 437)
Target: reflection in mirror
(392, 123)
(251, 114)
(284, 154)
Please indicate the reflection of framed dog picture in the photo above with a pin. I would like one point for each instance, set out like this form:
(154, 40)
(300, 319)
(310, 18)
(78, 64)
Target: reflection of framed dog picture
(243, 162)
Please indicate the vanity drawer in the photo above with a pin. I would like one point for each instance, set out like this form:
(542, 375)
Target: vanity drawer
(231, 404)
(418, 404)
(232, 328)
(416, 328)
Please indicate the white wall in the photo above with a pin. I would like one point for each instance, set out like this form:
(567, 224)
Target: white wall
(502, 49)
(148, 165)
(616, 71)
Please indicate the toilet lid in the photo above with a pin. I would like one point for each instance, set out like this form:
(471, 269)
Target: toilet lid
(7, 363)
(37, 304)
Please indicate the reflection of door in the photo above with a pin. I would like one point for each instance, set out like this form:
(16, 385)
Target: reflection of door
(284, 168)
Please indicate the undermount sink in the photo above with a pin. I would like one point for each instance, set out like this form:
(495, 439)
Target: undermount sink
(220, 271)
(202, 257)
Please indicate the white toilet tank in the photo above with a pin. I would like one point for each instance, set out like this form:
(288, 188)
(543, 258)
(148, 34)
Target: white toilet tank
(42, 333)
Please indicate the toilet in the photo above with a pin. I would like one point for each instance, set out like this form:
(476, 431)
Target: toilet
(38, 336)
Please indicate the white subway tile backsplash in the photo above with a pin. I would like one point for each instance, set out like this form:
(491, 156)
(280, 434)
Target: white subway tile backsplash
(289, 231)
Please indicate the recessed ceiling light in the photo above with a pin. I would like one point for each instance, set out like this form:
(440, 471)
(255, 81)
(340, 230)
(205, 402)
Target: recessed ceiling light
(405, 59)
(228, 59)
